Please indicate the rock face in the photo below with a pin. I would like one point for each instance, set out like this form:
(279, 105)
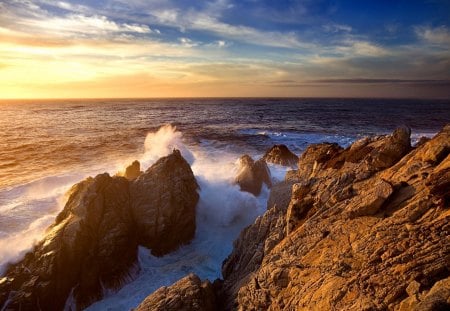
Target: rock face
(280, 154)
(92, 246)
(252, 175)
(163, 204)
(188, 294)
(366, 228)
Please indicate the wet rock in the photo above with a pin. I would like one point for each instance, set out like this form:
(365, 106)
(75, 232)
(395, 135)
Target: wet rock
(188, 294)
(280, 154)
(91, 246)
(252, 175)
(163, 204)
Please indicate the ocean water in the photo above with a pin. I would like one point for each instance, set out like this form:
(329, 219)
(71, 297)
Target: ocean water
(46, 146)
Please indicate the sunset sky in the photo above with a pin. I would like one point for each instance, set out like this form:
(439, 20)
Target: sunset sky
(138, 48)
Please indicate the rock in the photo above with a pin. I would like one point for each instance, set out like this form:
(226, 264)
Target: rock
(422, 140)
(188, 294)
(133, 170)
(280, 154)
(314, 157)
(370, 198)
(91, 246)
(252, 175)
(163, 204)
(366, 229)
(253, 243)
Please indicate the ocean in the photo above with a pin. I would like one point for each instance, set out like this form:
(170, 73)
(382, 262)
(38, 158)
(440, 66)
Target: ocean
(48, 145)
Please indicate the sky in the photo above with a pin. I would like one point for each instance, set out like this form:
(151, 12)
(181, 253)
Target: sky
(224, 48)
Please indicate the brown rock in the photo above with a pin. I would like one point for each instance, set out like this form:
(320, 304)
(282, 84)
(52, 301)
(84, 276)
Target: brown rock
(280, 154)
(252, 175)
(91, 246)
(163, 204)
(188, 294)
(133, 170)
(367, 230)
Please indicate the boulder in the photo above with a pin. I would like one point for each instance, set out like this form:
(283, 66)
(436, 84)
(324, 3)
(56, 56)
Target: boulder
(280, 154)
(133, 170)
(91, 246)
(188, 294)
(252, 175)
(163, 204)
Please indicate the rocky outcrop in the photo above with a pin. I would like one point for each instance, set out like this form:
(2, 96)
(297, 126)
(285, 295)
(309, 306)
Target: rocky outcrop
(133, 170)
(163, 204)
(188, 294)
(252, 175)
(92, 246)
(280, 154)
(366, 228)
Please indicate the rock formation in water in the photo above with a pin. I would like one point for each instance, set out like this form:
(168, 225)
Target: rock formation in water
(92, 246)
(163, 204)
(280, 154)
(252, 175)
(362, 228)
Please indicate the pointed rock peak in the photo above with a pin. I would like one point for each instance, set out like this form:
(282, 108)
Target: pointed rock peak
(280, 154)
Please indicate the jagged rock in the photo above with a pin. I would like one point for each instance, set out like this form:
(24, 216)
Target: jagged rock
(91, 246)
(314, 157)
(367, 228)
(163, 204)
(188, 294)
(252, 175)
(254, 242)
(133, 170)
(280, 154)
(370, 198)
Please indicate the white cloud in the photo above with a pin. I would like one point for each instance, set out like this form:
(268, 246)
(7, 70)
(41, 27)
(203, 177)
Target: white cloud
(186, 42)
(337, 28)
(86, 25)
(437, 35)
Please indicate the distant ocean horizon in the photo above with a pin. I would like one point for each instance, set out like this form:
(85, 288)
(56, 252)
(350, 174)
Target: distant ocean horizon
(48, 145)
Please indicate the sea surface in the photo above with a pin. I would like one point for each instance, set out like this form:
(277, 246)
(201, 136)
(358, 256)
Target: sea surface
(47, 146)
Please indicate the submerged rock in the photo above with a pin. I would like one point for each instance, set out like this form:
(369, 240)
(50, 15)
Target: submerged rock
(163, 204)
(252, 175)
(280, 154)
(92, 246)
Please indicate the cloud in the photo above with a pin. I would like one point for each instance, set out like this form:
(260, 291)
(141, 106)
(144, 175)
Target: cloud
(79, 24)
(334, 28)
(437, 35)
